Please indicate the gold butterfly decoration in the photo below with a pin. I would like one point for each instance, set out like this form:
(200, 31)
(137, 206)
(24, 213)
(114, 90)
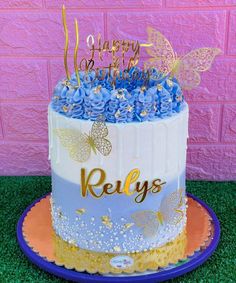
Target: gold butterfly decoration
(80, 145)
(186, 69)
(171, 212)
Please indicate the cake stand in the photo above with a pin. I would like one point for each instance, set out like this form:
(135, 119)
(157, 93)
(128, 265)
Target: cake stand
(185, 265)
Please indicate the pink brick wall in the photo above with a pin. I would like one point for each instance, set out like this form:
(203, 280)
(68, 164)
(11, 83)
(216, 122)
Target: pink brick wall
(31, 61)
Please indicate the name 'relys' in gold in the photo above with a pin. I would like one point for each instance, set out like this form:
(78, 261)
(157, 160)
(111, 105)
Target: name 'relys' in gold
(130, 187)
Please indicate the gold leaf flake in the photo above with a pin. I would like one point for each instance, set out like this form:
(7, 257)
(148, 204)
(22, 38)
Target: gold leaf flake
(80, 211)
(128, 225)
(106, 221)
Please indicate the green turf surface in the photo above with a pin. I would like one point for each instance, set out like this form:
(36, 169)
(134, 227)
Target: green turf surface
(19, 192)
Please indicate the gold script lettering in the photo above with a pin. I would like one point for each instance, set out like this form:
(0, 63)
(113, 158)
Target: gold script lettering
(85, 182)
(130, 179)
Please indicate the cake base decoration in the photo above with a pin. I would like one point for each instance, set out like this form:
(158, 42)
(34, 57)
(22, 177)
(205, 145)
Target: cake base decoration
(43, 247)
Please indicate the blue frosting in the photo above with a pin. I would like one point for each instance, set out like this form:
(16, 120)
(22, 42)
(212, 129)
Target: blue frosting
(84, 231)
(134, 97)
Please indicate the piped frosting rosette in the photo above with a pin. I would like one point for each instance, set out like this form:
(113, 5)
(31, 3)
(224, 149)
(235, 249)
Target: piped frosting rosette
(130, 98)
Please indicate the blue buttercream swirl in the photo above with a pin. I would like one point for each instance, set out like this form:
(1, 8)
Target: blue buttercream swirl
(135, 96)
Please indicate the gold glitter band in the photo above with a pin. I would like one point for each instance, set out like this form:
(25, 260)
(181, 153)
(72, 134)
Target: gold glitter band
(83, 260)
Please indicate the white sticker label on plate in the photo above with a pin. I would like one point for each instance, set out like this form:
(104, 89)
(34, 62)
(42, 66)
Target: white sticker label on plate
(121, 261)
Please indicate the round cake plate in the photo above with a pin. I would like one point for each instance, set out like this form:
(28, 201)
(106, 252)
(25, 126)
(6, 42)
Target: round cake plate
(163, 274)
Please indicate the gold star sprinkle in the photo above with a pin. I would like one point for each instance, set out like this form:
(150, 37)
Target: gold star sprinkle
(143, 88)
(66, 83)
(106, 221)
(80, 211)
(128, 225)
(120, 96)
(75, 86)
(98, 89)
(169, 82)
(117, 249)
(159, 87)
(117, 114)
(129, 108)
(143, 113)
(65, 108)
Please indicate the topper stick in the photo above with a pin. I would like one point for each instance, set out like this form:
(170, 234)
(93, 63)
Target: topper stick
(76, 52)
(66, 41)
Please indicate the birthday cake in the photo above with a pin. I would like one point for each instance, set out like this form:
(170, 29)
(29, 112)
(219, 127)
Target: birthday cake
(117, 145)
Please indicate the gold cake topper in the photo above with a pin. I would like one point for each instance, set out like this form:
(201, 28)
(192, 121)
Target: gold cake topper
(186, 69)
(164, 59)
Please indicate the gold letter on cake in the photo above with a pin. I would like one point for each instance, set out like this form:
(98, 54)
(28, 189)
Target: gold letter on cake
(130, 179)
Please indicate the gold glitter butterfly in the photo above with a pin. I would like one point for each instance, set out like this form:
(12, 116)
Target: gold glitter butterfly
(171, 212)
(185, 69)
(79, 145)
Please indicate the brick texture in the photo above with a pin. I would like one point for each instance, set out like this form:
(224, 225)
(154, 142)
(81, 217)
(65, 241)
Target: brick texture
(1, 132)
(185, 29)
(204, 123)
(104, 3)
(229, 124)
(25, 122)
(19, 4)
(232, 33)
(30, 79)
(31, 63)
(24, 159)
(42, 33)
(211, 162)
(199, 3)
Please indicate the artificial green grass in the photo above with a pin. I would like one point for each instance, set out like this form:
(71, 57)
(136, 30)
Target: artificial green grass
(19, 192)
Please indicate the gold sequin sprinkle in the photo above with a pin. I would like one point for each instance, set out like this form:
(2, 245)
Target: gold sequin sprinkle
(159, 87)
(80, 211)
(143, 88)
